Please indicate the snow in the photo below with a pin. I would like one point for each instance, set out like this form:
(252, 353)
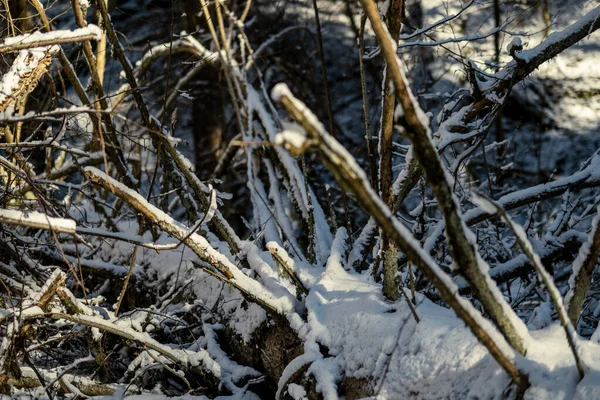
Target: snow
(280, 91)
(311, 354)
(357, 327)
(483, 203)
(212, 207)
(516, 44)
(293, 138)
(327, 374)
(360, 329)
(297, 392)
(432, 359)
(231, 372)
(441, 354)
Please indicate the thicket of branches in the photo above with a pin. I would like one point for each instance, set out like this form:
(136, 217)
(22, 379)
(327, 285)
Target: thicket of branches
(125, 267)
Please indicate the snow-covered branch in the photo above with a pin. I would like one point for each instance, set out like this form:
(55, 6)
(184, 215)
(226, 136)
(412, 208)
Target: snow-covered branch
(39, 39)
(462, 249)
(352, 178)
(546, 278)
(529, 60)
(23, 75)
(34, 219)
(193, 360)
(588, 177)
(228, 272)
(171, 157)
